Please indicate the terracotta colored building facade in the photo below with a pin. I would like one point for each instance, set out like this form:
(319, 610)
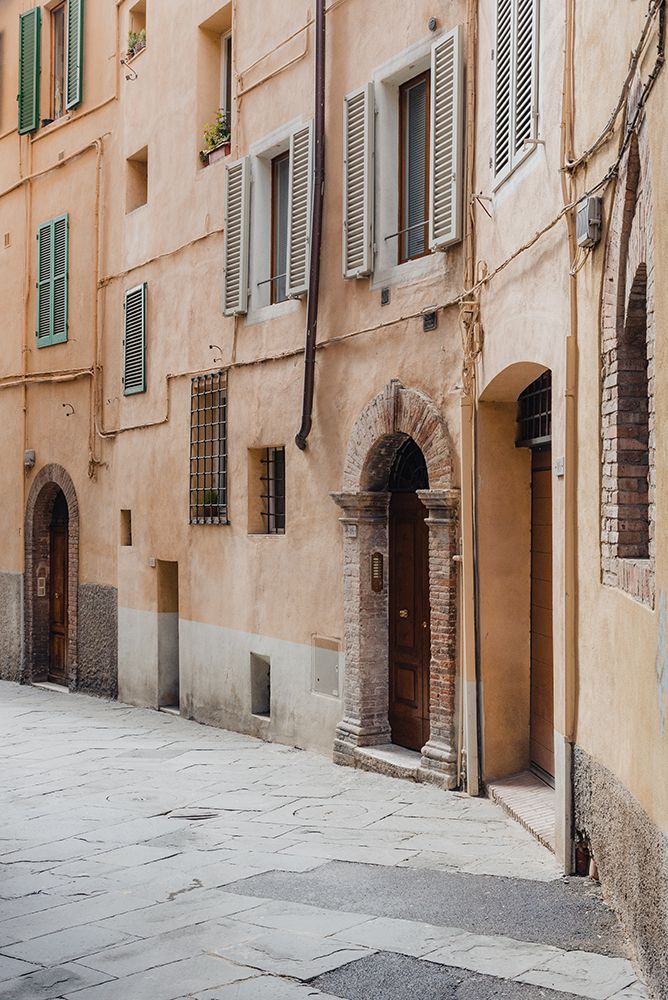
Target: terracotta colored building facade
(457, 571)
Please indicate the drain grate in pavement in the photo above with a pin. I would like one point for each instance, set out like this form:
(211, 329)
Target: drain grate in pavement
(396, 977)
(568, 913)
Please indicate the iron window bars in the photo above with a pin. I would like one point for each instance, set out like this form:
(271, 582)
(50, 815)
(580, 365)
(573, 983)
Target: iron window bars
(208, 449)
(534, 418)
(273, 491)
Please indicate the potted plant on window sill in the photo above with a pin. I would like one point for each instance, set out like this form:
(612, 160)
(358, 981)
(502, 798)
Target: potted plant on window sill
(217, 139)
(136, 42)
(211, 506)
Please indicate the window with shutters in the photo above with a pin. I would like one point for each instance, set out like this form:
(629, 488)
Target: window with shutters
(414, 103)
(52, 279)
(215, 86)
(279, 229)
(58, 61)
(515, 83)
(134, 341)
(280, 179)
(208, 449)
(358, 182)
(416, 149)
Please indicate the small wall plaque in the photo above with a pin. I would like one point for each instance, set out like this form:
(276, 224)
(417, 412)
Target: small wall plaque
(41, 586)
(377, 572)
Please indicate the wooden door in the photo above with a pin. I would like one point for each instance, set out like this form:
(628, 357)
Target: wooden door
(409, 626)
(58, 576)
(542, 673)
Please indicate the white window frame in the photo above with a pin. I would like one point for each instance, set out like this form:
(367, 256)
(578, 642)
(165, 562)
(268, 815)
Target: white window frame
(387, 79)
(260, 307)
(516, 158)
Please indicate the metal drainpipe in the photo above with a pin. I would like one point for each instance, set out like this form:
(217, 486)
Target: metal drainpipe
(316, 230)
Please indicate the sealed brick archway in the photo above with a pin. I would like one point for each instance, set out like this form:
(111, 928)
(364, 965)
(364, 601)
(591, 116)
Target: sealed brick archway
(47, 484)
(382, 427)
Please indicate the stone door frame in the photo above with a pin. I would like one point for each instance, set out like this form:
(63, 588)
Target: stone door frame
(380, 430)
(45, 487)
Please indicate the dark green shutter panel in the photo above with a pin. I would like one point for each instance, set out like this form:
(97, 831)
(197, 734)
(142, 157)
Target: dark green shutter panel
(75, 46)
(29, 32)
(44, 254)
(52, 274)
(134, 342)
(60, 262)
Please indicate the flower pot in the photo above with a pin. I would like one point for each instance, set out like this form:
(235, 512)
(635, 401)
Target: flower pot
(220, 152)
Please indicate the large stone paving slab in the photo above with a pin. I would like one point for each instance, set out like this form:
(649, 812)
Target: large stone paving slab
(145, 856)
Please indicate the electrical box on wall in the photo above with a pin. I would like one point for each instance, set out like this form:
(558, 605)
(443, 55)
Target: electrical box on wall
(588, 222)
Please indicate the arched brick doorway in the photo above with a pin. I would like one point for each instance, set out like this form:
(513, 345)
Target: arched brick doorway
(383, 427)
(51, 547)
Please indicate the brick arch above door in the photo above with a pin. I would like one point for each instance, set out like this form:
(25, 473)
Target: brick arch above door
(384, 424)
(49, 481)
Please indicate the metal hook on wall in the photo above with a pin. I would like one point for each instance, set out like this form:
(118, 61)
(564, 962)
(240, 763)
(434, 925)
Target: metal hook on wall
(215, 347)
(131, 74)
(71, 409)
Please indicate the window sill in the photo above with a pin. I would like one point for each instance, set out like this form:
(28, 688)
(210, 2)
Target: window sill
(501, 178)
(52, 127)
(266, 313)
(410, 271)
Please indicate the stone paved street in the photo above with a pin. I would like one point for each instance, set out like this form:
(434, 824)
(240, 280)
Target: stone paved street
(144, 857)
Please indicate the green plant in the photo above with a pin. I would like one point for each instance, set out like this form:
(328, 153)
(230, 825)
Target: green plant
(217, 133)
(136, 41)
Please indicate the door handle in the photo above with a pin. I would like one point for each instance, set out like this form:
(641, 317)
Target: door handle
(424, 624)
(403, 613)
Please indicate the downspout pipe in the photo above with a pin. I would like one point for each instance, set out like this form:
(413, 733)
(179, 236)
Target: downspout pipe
(316, 230)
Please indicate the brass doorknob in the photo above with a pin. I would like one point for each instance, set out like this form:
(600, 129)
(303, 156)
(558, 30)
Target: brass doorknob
(403, 613)
(424, 624)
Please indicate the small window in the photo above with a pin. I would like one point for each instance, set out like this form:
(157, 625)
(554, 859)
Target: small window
(58, 61)
(137, 180)
(137, 29)
(280, 178)
(266, 491)
(126, 527)
(208, 449)
(226, 75)
(260, 685)
(414, 105)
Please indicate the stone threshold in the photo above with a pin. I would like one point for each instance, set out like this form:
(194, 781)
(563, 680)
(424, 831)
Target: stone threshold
(170, 709)
(389, 759)
(529, 801)
(50, 686)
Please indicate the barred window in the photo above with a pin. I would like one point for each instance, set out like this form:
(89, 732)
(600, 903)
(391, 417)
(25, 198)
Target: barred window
(534, 419)
(273, 490)
(208, 449)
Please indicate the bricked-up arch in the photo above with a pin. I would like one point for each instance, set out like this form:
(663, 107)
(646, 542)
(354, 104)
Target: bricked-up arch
(49, 481)
(628, 360)
(383, 426)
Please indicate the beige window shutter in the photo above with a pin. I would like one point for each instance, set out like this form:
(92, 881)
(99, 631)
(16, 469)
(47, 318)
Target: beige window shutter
(526, 63)
(358, 182)
(236, 237)
(503, 86)
(300, 206)
(447, 120)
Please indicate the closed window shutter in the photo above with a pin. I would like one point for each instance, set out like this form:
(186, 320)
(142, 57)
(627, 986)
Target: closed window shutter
(503, 104)
(44, 283)
(525, 72)
(74, 59)
(52, 278)
(134, 341)
(358, 182)
(29, 33)
(236, 239)
(60, 265)
(300, 203)
(446, 189)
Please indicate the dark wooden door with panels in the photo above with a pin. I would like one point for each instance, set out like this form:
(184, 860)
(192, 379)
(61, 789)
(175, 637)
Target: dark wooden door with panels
(58, 594)
(409, 612)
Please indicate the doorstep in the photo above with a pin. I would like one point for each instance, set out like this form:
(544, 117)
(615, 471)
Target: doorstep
(50, 686)
(389, 759)
(170, 709)
(529, 801)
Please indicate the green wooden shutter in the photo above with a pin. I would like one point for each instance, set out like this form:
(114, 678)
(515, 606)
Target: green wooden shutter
(75, 48)
(52, 281)
(29, 32)
(134, 341)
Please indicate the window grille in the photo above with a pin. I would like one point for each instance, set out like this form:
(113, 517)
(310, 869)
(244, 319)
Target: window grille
(534, 422)
(208, 449)
(273, 490)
